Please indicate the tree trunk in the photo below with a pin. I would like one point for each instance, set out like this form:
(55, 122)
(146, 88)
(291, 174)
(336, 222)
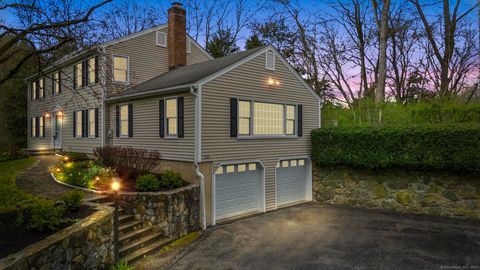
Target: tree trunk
(382, 58)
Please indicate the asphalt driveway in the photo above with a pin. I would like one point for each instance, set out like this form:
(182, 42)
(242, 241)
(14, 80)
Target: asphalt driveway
(318, 236)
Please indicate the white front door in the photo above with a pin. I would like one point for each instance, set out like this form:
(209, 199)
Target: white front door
(56, 140)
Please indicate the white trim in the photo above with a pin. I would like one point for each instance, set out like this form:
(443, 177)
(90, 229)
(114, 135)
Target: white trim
(138, 34)
(120, 135)
(156, 38)
(270, 52)
(154, 92)
(127, 82)
(262, 201)
(165, 123)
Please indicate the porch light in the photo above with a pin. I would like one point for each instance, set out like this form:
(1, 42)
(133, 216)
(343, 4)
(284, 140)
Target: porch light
(59, 113)
(115, 186)
(270, 81)
(47, 115)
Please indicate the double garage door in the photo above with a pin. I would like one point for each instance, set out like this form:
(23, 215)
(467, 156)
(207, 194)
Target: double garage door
(239, 187)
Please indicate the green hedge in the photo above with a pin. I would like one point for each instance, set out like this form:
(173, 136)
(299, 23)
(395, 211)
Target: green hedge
(453, 147)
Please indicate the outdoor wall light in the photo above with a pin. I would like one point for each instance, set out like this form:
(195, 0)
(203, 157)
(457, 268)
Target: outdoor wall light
(47, 115)
(97, 178)
(271, 81)
(59, 113)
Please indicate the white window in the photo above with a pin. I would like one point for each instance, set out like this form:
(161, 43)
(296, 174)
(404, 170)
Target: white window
(189, 46)
(34, 127)
(293, 163)
(91, 123)
(41, 88)
(270, 60)
(230, 168)
(267, 118)
(41, 128)
(242, 167)
(252, 166)
(161, 39)
(56, 83)
(171, 116)
(91, 70)
(301, 162)
(78, 75)
(290, 120)
(219, 170)
(124, 120)
(120, 69)
(284, 163)
(244, 117)
(34, 90)
(79, 124)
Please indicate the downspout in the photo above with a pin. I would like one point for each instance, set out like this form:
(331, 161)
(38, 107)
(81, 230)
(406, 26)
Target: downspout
(196, 92)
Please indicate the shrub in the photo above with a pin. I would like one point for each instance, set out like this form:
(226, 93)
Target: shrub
(452, 147)
(128, 162)
(122, 265)
(98, 176)
(46, 216)
(11, 154)
(147, 182)
(75, 156)
(72, 200)
(171, 179)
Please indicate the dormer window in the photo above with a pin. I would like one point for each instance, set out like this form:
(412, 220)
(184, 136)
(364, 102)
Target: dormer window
(161, 39)
(270, 60)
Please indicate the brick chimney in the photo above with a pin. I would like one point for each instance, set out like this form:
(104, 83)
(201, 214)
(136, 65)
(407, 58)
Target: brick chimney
(177, 36)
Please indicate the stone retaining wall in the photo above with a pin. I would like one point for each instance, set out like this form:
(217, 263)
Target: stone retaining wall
(84, 245)
(433, 193)
(174, 213)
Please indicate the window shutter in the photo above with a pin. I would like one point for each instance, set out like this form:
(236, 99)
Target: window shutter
(130, 120)
(37, 126)
(96, 122)
(233, 117)
(74, 124)
(180, 117)
(74, 77)
(43, 127)
(117, 119)
(60, 82)
(53, 84)
(85, 123)
(96, 69)
(161, 123)
(37, 91)
(299, 121)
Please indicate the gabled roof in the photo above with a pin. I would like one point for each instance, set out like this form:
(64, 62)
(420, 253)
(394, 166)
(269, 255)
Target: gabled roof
(186, 75)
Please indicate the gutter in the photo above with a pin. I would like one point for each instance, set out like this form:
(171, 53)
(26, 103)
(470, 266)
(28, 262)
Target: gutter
(149, 93)
(196, 91)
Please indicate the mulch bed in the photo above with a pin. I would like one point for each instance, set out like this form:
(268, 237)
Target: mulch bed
(14, 238)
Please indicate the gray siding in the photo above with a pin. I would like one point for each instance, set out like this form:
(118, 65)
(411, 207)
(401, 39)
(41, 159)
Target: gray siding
(146, 128)
(249, 81)
(69, 100)
(146, 59)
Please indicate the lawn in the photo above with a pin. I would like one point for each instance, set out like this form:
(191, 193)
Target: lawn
(10, 196)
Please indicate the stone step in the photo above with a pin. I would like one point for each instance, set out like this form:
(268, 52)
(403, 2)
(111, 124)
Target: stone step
(98, 199)
(147, 250)
(132, 235)
(139, 243)
(40, 152)
(123, 218)
(130, 226)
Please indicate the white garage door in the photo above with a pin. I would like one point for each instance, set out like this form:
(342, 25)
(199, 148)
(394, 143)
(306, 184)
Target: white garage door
(291, 180)
(237, 189)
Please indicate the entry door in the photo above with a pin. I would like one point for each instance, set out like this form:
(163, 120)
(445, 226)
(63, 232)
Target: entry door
(291, 180)
(238, 190)
(56, 131)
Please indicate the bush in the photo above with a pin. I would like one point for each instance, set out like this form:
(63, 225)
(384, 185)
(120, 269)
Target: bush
(453, 147)
(147, 182)
(171, 179)
(11, 154)
(122, 265)
(72, 200)
(75, 156)
(128, 162)
(46, 216)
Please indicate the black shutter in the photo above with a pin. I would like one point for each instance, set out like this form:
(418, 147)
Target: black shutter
(233, 117)
(96, 123)
(130, 120)
(299, 121)
(85, 124)
(180, 117)
(74, 124)
(37, 127)
(32, 91)
(37, 90)
(117, 119)
(43, 127)
(53, 84)
(96, 69)
(59, 82)
(162, 118)
(75, 77)
(84, 73)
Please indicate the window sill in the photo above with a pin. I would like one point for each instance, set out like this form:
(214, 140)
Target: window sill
(261, 137)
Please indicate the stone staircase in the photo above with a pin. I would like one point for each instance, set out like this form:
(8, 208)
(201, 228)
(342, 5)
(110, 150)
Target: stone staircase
(137, 240)
(38, 152)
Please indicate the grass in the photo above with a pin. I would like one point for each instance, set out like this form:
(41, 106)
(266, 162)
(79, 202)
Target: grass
(11, 197)
(181, 242)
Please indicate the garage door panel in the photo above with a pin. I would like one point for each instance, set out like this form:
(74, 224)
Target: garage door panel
(291, 184)
(237, 193)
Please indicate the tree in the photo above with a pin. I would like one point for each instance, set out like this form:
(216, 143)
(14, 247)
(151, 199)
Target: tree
(382, 25)
(45, 26)
(253, 42)
(222, 44)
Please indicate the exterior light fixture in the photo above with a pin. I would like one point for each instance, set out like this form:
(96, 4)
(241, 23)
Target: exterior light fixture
(115, 187)
(58, 169)
(277, 82)
(97, 178)
(47, 115)
(270, 81)
(66, 158)
(59, 113)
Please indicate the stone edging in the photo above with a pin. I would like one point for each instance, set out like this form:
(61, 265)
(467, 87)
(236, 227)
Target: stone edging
(169, 192)
(20, 257)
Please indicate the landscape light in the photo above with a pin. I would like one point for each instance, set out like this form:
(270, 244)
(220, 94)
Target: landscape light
(115, 186)
(65, 158)
(58, 169)
(97, 178)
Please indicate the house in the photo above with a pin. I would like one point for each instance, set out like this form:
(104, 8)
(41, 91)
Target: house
(238, 125)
